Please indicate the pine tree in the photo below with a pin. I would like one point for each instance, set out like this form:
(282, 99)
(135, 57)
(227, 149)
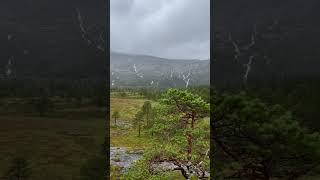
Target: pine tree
(138, 121)
(191, 108)
(147, 111)
(115, 115)
(255, 140)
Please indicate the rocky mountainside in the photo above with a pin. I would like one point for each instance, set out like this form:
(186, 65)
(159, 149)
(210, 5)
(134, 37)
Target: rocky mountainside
(265, 42)
(148, 71)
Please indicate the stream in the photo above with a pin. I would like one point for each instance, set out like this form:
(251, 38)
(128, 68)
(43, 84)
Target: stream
(121, 157)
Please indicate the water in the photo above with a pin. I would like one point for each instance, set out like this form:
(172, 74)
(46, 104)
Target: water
(119, 156)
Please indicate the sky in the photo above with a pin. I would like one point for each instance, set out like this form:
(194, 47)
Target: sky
(174, 29)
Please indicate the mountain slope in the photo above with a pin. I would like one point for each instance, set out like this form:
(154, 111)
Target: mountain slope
(265, 42)
(149, 71)
(50, 39)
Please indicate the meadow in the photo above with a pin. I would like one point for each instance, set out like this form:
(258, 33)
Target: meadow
(121, 136)
(55, 144)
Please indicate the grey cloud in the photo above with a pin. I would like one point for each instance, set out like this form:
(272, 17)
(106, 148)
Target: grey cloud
(165, 28)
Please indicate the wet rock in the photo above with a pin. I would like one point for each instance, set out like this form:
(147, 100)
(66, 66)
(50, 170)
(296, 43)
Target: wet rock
(121, 157)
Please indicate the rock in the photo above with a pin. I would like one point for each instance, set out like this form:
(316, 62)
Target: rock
(163, 166)
(121, 157)
(188, 170)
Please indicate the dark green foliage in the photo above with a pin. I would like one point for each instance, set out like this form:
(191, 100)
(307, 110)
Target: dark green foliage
(115, 115)
(123, 94)
(138, 121)
(203, 91)
(180, 133)
(147, 111)
(300, 96)
(148, 93)
(255, 140)
(144, 118)
(186, 102)
(190, 108)
(19, 170)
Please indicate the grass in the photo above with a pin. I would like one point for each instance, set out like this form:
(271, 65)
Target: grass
(128, 137)
(127, 95)
(127, 107)
(56, 146)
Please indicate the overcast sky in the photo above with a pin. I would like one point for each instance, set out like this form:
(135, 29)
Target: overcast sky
(178, 29)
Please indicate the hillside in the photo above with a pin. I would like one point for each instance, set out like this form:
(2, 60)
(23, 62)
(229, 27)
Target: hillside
(52, 39)
(265, 43)
(148, 71)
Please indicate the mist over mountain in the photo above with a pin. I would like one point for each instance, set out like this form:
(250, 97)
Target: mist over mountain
(265, 43)
(128, 70)
(52, 39)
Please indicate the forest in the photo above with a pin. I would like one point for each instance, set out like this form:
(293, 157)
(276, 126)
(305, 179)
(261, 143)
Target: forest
(158, 134)
(255, 134)
(264, 104)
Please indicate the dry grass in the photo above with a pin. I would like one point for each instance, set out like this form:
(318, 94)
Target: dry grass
(55, 147)
(127, 107)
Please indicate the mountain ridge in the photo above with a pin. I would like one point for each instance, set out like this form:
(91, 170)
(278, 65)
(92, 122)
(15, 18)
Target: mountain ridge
(153, 56)
(150, 71)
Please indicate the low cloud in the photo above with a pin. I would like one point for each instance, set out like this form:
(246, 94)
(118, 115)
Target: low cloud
(178, 29)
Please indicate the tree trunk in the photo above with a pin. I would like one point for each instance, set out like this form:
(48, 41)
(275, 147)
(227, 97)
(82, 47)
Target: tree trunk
(139, 130)
(187, 169)
(115, 121)
(189, 139)
(147, 119)
(192, 122)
